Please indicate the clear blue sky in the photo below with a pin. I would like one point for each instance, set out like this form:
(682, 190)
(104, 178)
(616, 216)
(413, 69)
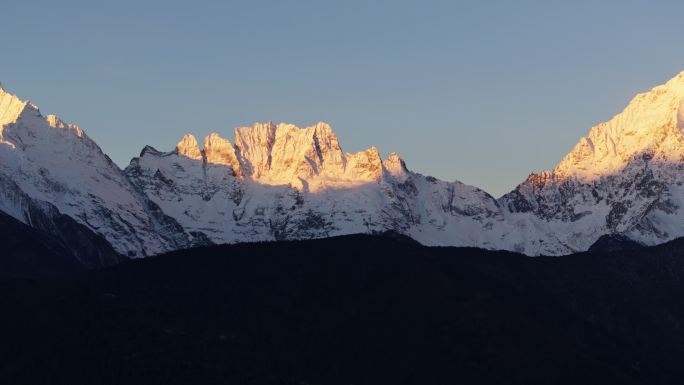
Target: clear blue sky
(479, 91)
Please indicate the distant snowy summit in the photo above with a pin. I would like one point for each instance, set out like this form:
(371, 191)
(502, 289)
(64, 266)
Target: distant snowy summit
(625, 178)
(284, 182)
(50, 170)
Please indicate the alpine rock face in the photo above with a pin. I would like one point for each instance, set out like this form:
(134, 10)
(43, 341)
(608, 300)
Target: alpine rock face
(50, 170)
(275, 182)
(624, 178)
(285, 182)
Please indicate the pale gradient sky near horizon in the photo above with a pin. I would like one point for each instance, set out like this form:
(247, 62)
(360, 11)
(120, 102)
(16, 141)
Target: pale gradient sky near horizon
(484, 92)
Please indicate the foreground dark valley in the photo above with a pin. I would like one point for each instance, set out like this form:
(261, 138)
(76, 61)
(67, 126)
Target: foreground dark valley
(354, 309)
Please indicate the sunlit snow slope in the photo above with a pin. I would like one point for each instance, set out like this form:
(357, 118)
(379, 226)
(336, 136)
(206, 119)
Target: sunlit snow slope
(284, 182)
(49, 166)
(624, 177)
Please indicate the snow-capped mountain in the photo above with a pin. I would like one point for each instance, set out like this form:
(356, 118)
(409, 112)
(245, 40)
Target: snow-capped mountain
(50, 169)
(625, 177)
(285, 182)
(280, 181)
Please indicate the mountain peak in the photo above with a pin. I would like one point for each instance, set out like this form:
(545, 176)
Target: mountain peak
(650, 125)
(220, 151)
(188, 147)
(11, 107)
(308, 158)
(149, 150)
(395, 165)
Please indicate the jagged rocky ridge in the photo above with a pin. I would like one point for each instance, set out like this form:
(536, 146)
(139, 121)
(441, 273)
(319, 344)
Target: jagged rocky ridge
(283, 182)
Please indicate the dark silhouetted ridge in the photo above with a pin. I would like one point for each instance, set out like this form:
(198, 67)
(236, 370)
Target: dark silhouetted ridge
(357, 309)
(614, 242)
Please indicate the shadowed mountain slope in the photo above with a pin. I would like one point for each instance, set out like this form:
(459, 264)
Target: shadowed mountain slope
(32, 251)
